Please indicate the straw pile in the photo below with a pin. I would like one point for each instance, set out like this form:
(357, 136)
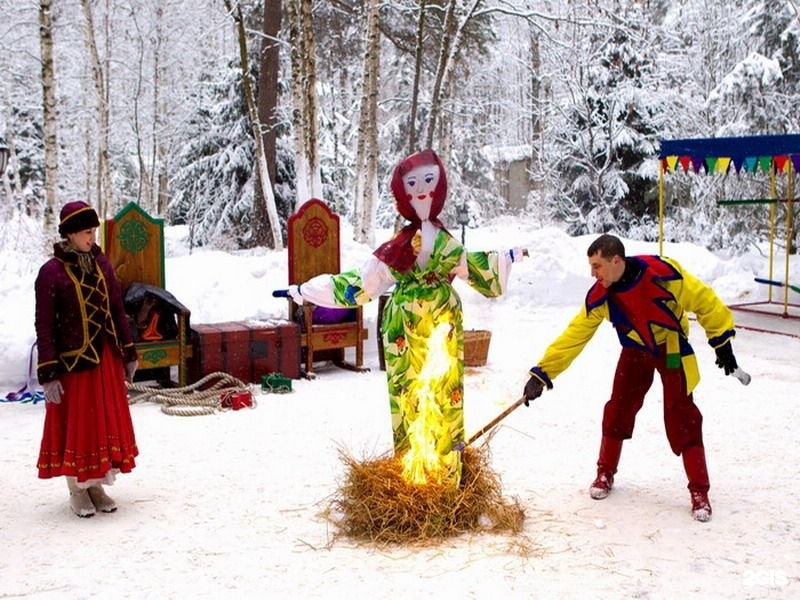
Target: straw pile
(377, 505)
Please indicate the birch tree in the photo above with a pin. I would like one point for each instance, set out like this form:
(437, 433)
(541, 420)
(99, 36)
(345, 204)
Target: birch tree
(262, 169)
(452, 38)
(418, 52)
(49, 113)
(367, 154)
(99, 77)
(304, 98)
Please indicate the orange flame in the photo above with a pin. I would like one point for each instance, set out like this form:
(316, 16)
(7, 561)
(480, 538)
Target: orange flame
(430, 458)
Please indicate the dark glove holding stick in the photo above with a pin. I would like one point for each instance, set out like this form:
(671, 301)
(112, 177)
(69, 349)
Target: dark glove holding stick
(533, 389)
(727, 361)
(725, 358)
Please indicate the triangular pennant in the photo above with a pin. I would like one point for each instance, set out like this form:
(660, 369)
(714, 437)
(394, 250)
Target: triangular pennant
(737, 163)
(750, 163)
(711, 163)
(780, 163)
(723, 162)
(765, 162)
(697, 164)
(685, 163)
(796, 162)
(671, 161)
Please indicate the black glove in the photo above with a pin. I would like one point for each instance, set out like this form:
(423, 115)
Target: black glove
(725, 358)
(533, 389)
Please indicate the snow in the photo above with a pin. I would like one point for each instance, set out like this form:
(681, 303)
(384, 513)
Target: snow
(231, 503)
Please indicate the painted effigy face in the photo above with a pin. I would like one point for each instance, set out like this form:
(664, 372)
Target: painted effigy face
(419, 184)
(419, 177)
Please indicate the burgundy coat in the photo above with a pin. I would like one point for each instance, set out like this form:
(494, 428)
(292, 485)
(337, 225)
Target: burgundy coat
(77, 312)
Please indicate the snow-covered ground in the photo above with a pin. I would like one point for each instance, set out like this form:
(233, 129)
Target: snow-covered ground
(231, 503)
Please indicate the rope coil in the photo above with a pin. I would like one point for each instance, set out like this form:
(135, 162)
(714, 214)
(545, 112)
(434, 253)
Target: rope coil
(189, 400)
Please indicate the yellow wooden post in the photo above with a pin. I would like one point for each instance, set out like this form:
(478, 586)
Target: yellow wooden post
(774, 195)
(660, 207)
(789, 199)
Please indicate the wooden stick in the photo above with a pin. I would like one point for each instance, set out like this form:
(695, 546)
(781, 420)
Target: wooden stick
(496, 420)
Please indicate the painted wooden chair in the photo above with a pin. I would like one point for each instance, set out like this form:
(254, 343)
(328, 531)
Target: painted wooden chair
(313, 248)
(133, 241)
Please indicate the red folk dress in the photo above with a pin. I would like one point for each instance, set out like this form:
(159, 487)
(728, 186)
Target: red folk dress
(83, 340)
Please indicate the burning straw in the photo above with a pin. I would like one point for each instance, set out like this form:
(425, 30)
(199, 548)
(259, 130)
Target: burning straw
(377, 505)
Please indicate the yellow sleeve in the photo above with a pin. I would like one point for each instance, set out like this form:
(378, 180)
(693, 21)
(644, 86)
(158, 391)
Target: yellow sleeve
(712, 313)
(560, 354)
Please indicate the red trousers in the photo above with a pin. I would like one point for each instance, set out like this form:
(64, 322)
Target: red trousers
(633, 378)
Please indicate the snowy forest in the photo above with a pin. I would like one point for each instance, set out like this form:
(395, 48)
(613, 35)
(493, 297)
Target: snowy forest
(225, 115)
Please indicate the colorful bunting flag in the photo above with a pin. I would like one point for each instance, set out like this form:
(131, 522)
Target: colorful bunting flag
(783, 160)
(671, 161)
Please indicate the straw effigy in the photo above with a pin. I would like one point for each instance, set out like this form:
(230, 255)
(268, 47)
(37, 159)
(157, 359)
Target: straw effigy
(375, 504)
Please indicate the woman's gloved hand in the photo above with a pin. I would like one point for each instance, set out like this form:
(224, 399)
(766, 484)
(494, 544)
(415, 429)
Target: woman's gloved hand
(53, 391)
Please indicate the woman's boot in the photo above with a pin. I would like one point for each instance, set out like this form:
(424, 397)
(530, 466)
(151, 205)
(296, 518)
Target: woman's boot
(102, 501)
(79, 499)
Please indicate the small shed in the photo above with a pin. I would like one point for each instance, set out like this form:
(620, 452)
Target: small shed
(511, 166)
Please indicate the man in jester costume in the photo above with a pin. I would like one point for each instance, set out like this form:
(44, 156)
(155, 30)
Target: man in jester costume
(647, 299)
(422, 319)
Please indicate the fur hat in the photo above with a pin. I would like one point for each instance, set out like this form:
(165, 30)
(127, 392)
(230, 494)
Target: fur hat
(77, 216)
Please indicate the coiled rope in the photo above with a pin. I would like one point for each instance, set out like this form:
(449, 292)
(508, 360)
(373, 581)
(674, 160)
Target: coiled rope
(190, 400)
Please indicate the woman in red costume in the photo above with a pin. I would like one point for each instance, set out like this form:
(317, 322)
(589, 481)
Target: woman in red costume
(85, 355)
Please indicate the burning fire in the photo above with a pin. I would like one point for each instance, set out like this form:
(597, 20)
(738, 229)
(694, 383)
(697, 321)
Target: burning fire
(430, 457)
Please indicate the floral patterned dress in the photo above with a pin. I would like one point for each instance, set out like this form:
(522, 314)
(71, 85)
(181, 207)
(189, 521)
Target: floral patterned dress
(422, 301)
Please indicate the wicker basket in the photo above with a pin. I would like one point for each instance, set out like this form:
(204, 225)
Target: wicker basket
(476, 347)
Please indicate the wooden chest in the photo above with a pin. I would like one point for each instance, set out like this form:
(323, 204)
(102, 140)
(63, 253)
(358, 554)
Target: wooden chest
(246, 350)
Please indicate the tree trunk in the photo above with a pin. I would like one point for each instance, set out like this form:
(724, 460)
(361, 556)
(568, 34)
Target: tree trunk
(451, 46)
(310, 90)
(159, 148)
(144, 191)
(444, 56)
(537, 132)
(262, 169)
(304, 95)
(11, 172)
(267, 112)
(49, 113)
(102, 188)
(412, 121)
(367, 159)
